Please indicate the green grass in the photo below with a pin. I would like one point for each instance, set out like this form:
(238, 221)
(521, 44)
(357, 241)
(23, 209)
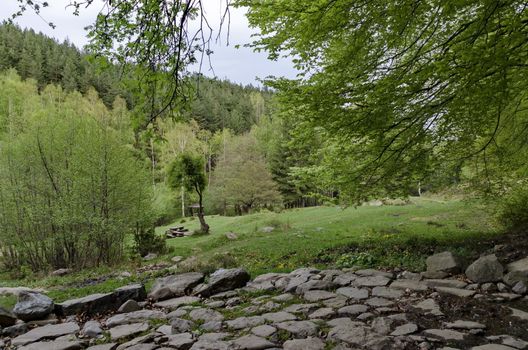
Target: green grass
(385, 236)
(367, 236)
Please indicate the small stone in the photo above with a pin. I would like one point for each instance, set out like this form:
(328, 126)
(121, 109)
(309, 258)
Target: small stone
(520, 288)
(352, 310)
(180, 325)
(245, 322)
(444, 334)
(299, 329)
(379, 302)
(444, 262)
(371, 281)
(322, 313)
(417, 286)
(252, 342)
(61, 272)
(318, 295)
(92, 329)
(205, 315)
(430, 306)
(461, 293)
(129, 306)
(281, 316)
(387, 292)
(492, 347)
(353, 293)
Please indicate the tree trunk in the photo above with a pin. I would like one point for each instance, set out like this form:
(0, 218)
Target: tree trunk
(203, 226)
(183, 201)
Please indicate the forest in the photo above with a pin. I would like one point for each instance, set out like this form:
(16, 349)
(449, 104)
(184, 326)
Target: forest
(110, 141)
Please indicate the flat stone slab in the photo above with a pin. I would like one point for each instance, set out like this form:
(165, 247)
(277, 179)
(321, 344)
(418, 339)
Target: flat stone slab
(318, 295)
(299, 329)
(206, 315)
(492, 347)
(54, 345)
(127, 330)
(523, 315)
(445, 283)
(245, 322)
(135, 317)
(461, 293)
(180, 341)
(461, 324)
(91, 304)
(46, 332)
(387, 292)
(173, 304)
(371, 281)
(430, 306)
(353, 293)
(281, 316)
(252, 342)
(416, 286)
(405, 329)
(304, 344)
(444, 334)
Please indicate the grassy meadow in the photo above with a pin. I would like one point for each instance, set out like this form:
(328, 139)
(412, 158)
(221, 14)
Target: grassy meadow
(385, 236)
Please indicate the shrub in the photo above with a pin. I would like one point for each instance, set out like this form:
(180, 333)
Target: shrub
(147, 241)
(513, 212)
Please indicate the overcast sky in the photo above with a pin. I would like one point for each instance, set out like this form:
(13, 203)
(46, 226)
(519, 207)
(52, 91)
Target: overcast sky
(240, 65)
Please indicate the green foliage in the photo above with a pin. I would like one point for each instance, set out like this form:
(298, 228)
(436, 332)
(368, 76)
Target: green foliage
(241, 178)
(70, 189)
(187, 171)
(147, 241)
(513, 211)
(399, 89)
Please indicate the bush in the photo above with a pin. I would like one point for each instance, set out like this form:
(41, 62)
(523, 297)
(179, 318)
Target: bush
(513, 212)
(147, 241)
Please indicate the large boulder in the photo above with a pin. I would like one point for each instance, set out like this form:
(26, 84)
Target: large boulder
(91, 304)
(175, 285)
(444, 262)
(223, 280)
(485, 269)
(6, 318)
(513, 277)
(33, 306)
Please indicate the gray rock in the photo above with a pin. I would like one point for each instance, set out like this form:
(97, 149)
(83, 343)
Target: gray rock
(354, 293)
(164, 329)
(461, 293)
(179, 325)
(150, 256)
(519, 265)
(252, 342)
(405, 329)
(314, 284)
(211, 345)
(45, 332)
(135, 317)
(212, 326)
(54, 345)
(444, 262)
(485, 269)
(379, 302)
(15, 330)
(61, 272)
(299, 329)
(202, 314)
(509, 341)
(173, 304)
(382, 325)
(434, 274)
(445, 283)
(33, 306)
(492, 347)
(214, 336)
(430, 306)
(512, 277)
(444, 334)
(266, 281)
(281, 316)
(461, 324)
(337, 302)
(322, 313)
(520, 288)
(223, 280)
(109, 346)
(318, 295)
(92, 329)
(127, 330)
(267, 229)
(352, 334)
(182, 341)
(245, 322)
(135, 292)
(304, 344)
(7, 318)
(91, 305)
(264, 331)
(175, 285)
(523, 315)
(373, 272)
(387, 292)
(301, 308)
(371, 281)
(352, 310)
(345, 279)
(417, 286)
(129, 306)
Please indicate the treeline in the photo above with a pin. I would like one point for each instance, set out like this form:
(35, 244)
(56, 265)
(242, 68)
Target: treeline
(215, 104)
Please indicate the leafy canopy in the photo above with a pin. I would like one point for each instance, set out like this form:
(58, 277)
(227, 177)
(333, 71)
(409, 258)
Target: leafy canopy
(393, 85)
